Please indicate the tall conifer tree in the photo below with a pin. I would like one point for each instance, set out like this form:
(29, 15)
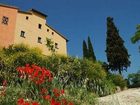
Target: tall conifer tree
(85, 49)
(117, 55)
(91, 51)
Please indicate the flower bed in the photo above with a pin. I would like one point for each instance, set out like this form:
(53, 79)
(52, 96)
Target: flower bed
(36, 87)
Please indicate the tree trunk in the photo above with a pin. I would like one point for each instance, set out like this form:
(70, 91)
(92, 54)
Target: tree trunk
(120, 71)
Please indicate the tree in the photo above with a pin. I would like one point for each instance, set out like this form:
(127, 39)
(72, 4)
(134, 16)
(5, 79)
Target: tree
(50, 45)
(136, 37)
(91, 51)
(117, 54)
(85, 49)
(88, 51)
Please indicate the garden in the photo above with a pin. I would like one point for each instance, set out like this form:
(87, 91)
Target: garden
(28, 77)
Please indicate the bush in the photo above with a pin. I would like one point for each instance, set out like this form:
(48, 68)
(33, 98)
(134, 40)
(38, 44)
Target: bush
(134, 79)
(81, 96)
(17, 55)
(69, 71)
(118, 80)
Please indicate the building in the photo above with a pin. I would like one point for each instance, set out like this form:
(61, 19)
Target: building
(30, 28)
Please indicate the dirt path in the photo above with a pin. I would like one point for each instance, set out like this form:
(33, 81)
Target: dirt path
(126, 97)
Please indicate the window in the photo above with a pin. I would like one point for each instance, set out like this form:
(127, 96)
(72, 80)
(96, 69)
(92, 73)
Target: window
(52, 33)
(22, 34)
(56, 45)
(27, 17)
(5, 20)
(39, 40)
(47, 30)
(39, 26)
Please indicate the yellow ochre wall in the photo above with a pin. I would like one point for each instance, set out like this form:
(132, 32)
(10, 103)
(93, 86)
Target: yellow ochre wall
(32, 32)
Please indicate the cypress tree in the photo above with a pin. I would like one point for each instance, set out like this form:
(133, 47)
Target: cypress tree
(117, 55)
(91, 54)
(85, 49)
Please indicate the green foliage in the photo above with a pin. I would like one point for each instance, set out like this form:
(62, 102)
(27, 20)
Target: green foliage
(18, 55)
(118, 80)
(85, 49)
(117, 55)
(50, 45)
(136, 37)
(75, 72)
(69, 71)
(134, 79)
(81, 96)
(88, 51)
(10, 99)
(91, 51)
(15, 49)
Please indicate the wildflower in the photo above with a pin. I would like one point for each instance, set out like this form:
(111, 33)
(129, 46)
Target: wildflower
(70, 103)
(37, 74)
(26, 103)
(64, 102)
(54, 102)
(20, 101)
(34, 103)
(62, 92)
(48, 97)
(55, 90)
(4, 83)
(43, 91)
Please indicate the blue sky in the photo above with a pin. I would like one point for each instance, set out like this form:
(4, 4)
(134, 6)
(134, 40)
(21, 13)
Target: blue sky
(78, 19)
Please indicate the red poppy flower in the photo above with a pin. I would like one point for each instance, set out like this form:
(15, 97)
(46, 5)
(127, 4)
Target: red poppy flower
(43, 91)
(64, 102)
(34, 103)
(62, 92)
(26, 103)
(48, 97)
(20, 101)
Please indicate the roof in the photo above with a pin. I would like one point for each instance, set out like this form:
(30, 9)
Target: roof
(34, 10)
(25, 12)
(57, 32)
(3, 5)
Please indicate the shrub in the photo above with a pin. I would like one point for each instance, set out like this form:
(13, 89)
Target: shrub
(81, 96)
(134, 79)
(118, 80)
(69, 72)
(12, 49)
(18, 55)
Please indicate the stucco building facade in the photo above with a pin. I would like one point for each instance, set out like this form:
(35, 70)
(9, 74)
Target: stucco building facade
(29, 28)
